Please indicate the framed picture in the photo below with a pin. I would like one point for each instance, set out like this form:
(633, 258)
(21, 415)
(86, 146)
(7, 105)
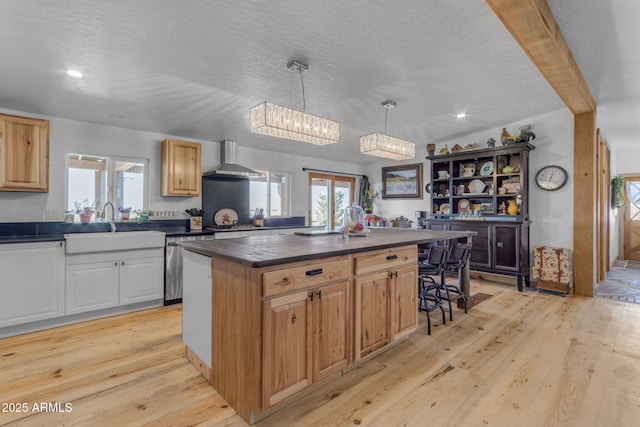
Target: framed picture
(402, 182)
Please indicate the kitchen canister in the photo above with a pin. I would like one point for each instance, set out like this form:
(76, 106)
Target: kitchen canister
(195, 223)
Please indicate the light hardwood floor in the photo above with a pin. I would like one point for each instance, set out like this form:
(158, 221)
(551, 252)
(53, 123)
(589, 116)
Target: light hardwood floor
(516, 359)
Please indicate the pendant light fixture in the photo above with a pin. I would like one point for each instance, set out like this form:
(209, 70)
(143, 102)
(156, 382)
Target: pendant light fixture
(383, 145)
(281, 122)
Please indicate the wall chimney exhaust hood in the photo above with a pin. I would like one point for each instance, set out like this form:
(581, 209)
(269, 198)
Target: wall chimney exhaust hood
(228, 165)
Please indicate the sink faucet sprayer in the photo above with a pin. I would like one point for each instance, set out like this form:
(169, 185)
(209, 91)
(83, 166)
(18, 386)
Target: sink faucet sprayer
(113, 214)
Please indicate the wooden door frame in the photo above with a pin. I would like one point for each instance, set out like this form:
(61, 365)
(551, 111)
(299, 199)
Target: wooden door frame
(604, 206)
(332, 188)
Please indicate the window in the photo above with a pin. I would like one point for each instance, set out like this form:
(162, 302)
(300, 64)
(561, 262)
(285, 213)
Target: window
(272, 192)
(96, 180)
(330, 195)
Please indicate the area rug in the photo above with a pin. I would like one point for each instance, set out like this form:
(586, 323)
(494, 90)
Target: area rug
(478, 298)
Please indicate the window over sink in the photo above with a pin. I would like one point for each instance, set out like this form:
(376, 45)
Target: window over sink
(272, 192)
(96, 180)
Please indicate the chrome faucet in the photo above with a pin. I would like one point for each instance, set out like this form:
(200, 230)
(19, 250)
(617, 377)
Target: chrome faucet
(113, 214)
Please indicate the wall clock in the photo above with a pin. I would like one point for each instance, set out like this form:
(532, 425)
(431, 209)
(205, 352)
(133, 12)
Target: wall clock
(551, 178)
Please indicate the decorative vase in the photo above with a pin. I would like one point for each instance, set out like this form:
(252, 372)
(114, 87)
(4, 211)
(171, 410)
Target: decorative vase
(513, 208)
(353, 220)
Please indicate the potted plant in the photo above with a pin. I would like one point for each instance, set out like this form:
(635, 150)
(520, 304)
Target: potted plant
(375, 220)
(124, 213)
(617, 192)
(69, 216)
(85, 210)
(367, 200)
(142, 215)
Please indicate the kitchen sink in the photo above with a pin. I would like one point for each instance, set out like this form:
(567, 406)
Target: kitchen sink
(78, 243)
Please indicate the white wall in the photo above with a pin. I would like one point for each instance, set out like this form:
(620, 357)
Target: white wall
(551, 212)
(74, 136)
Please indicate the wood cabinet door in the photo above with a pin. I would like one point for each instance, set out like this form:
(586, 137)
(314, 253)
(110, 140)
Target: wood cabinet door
(181, 168)
(404, 301)
(372, 313)
(331, 310)
(507, 247)
(286, 365)
(481, 248)
(24, 154)
(141, 280)
(91, 286)
(33, 282)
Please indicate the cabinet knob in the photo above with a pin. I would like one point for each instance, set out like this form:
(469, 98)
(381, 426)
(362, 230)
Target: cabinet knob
(499, 244)
(115, 263)
(293, 319)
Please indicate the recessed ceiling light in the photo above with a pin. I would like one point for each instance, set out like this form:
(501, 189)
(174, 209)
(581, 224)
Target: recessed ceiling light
(461, 115)
(74, 73)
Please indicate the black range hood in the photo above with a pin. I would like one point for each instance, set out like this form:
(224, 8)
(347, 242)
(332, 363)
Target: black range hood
(228, 165)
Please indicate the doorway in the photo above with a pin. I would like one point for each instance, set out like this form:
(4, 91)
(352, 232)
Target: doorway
(329, 196)
(632, 218)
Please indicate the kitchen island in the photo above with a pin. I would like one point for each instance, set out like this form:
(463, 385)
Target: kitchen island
(265, 318)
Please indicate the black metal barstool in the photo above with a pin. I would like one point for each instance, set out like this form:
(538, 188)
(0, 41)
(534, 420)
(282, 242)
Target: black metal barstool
(458, 256)
(432, 265)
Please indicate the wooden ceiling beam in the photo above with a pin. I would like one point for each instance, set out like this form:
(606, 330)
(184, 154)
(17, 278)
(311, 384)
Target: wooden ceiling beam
(533, 26)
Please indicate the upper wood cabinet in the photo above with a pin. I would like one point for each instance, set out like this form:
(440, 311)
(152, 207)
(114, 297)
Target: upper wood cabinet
(181, 168)
(24, 154)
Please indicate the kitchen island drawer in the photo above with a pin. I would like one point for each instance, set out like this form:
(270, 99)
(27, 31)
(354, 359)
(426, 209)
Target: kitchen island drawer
(385, 259)
(300, 276)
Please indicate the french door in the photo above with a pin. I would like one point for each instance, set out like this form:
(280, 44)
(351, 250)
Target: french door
(329, 196)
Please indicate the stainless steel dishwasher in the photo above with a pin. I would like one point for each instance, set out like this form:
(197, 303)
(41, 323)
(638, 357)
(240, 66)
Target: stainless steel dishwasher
(173, 266)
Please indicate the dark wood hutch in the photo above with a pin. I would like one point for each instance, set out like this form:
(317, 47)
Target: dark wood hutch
(471, 190)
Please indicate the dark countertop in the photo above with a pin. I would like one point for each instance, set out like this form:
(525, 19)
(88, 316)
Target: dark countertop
(33, 238)
(265, 251)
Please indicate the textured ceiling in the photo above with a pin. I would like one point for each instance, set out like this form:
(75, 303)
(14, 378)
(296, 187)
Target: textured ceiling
(194, 68)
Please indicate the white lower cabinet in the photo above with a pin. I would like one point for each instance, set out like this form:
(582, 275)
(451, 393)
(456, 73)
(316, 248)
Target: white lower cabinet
(101, 280)
(91, 286)
(32, 281)
(141, 279)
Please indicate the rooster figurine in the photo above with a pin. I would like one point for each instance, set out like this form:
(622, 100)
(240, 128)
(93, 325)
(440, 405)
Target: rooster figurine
(525, 135)
(506, 138)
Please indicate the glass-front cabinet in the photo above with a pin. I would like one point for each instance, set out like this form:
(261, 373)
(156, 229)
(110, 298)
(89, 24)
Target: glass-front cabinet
(486, 191)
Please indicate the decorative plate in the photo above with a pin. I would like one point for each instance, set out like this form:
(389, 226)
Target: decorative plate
(486, 169)
(444, 208)
(476, 186)
(225, 216)
(464, 206)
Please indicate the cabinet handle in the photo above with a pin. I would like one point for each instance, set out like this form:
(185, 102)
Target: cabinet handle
(311, 295)
(115, 264)
(293, 319)
(393, 274)
(122, 262)
(390, 257)
(320, 294)
(499, 244)
(314, 272)
(172, 244)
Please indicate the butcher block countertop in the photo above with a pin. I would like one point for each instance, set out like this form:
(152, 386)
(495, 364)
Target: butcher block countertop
(265, 251)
